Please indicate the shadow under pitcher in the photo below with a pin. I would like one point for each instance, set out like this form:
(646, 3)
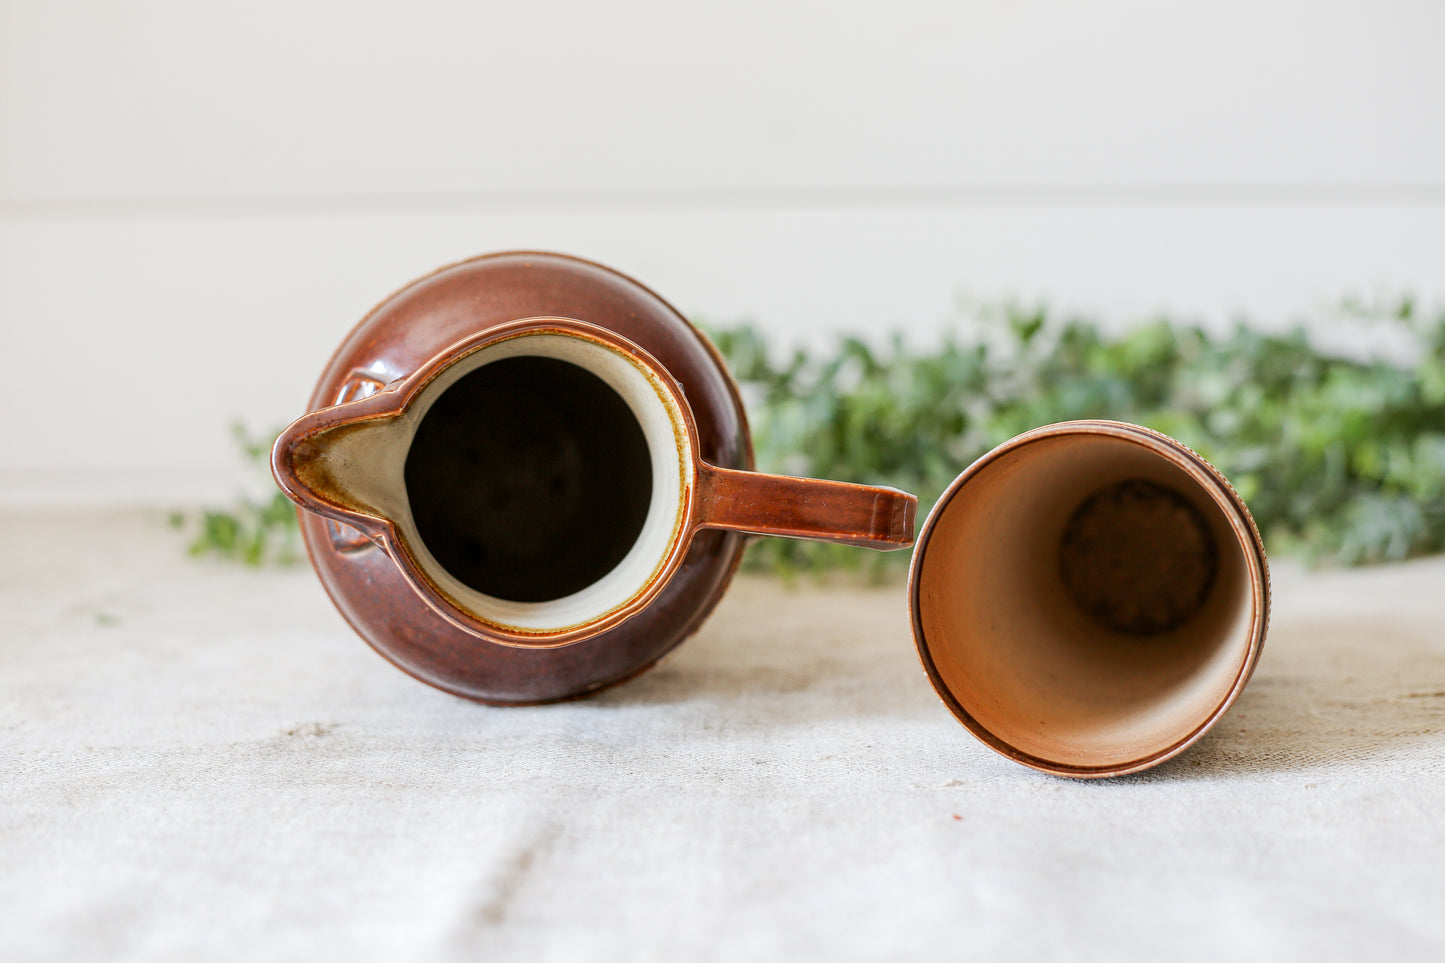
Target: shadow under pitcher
(526, 477)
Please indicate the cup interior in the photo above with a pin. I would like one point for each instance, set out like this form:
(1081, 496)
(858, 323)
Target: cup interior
(1085, 601)
(543, 480)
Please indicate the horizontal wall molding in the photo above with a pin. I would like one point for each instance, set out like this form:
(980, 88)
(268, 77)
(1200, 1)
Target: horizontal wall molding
(441, 203)
(276, 98)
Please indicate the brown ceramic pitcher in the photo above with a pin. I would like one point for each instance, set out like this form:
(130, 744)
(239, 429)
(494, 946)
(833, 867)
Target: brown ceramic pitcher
(526, 477)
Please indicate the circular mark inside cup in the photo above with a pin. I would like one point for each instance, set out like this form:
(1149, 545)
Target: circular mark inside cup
(1138, 557)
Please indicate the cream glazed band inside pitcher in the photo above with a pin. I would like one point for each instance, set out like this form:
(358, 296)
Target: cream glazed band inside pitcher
(382, 486)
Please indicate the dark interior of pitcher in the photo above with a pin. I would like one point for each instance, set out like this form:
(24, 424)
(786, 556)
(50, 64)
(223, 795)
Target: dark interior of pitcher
(529, 479)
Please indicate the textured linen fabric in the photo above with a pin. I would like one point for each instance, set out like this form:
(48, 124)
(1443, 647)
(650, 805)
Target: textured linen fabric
(201, 762)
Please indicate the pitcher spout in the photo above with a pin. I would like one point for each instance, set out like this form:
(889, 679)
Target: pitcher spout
(346, 463)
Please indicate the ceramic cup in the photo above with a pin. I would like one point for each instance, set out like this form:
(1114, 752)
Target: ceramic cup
(1089, 598)
(540, 482)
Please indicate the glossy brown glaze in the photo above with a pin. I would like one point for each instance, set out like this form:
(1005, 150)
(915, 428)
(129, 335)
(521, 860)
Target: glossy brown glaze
(862, 515)
(1080, 689)
(370, 570)
(422, 319)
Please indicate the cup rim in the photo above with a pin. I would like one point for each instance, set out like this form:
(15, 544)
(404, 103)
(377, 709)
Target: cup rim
(1219, 489)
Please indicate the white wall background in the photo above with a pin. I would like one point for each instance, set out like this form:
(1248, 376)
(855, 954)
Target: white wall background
(197, 200)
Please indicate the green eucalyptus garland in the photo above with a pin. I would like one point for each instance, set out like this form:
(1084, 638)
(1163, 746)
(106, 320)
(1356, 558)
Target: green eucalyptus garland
(1341, 459)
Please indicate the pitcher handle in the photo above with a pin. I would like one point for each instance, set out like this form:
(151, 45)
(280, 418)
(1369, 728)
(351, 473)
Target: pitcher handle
(827, 511)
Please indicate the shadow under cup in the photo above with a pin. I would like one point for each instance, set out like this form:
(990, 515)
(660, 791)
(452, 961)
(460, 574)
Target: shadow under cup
(1089, 598)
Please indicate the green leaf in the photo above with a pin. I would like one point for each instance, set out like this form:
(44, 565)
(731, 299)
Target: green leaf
(1340, 460)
